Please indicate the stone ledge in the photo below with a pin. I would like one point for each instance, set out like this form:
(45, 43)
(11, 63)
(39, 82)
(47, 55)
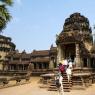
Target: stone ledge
(6, 86)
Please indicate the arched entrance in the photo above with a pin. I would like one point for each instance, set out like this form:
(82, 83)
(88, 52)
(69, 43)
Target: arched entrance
(69, 51)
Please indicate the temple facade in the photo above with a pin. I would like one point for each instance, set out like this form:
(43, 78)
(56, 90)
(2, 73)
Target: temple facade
(16, 61)
(41, 60)
(76, 42)
(6, 46)
(11, 60)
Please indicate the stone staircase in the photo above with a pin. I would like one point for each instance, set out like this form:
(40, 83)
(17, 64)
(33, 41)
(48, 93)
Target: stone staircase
(52, 86)
(66, 85)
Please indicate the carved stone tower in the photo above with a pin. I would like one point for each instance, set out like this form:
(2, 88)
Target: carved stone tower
(75, 41)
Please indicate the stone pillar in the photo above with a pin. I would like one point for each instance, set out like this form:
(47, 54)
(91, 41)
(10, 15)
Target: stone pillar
(5, 67)
(32, 66)
(37, 66)
(23, 67)
(51, 64)
(1, 65)
(82, 62)
(59, 53)
(77, 59)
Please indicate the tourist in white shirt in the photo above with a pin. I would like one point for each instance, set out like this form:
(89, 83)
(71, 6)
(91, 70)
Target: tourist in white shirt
(60, 89)
(69, 70)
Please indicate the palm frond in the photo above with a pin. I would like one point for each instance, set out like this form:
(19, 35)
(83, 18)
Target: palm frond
(7, 2)
(4, 16)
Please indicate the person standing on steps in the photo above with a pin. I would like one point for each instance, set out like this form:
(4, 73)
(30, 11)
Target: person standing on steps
(69, 70)
(59, 85)
(65, 63)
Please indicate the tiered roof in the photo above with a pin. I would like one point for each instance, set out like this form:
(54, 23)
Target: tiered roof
(76, 29)
(40, 53)
(76, 21)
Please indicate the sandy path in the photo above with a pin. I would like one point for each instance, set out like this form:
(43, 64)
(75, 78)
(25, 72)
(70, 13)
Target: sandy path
(33, 89)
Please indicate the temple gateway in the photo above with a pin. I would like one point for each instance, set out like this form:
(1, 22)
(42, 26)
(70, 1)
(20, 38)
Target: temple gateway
(76, 41)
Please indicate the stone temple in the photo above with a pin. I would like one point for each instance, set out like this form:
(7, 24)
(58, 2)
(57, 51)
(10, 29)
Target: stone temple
(75, 41)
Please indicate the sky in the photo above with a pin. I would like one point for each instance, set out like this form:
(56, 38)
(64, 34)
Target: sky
(35, 23)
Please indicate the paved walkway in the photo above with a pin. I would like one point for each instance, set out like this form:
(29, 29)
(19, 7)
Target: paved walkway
(33, 89)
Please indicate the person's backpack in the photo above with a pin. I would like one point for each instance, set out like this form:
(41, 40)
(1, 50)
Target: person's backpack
(61, 68)
(57, 83)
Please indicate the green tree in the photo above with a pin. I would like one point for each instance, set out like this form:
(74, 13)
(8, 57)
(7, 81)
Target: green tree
(4, 13)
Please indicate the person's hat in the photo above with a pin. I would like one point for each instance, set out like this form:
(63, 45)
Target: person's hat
(60, 61)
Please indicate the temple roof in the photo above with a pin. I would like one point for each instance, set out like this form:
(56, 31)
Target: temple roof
(69, 37)
(18, 62)
(76, 29)
(40, 53)
(76, 21)
(25, 55)
(15, 54)
(6, 40)
(4, 37)
(53, 50)
(40, 59)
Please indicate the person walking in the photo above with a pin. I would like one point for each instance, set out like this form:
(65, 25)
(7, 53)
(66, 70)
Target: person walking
(60, 85)
(69, 70)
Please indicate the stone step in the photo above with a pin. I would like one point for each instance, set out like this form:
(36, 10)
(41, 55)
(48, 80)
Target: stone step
(53, 89)
(77, 81)
(66, 86)
(66, 90)
(66, 82)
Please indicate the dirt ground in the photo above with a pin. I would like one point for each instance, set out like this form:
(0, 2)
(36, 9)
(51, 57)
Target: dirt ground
(34, 89)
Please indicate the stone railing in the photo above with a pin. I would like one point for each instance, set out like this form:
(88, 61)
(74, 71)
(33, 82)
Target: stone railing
(13, 81)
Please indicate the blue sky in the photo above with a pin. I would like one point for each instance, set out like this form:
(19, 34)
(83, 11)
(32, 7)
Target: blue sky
(35, 23)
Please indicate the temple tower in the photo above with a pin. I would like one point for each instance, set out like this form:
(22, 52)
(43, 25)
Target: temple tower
(6, 46)
(75, 41)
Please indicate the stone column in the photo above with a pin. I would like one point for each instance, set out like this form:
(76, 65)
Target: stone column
(51, 64)
(59, 53)
(5, 67)
(32, 66)
(77, 59)
(37, 66)
(23, 67)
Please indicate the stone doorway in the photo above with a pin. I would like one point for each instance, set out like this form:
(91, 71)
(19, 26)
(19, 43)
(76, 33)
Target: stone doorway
(69, 51)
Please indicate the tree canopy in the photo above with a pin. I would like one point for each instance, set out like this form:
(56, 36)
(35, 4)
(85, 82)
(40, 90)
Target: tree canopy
(4, 13)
